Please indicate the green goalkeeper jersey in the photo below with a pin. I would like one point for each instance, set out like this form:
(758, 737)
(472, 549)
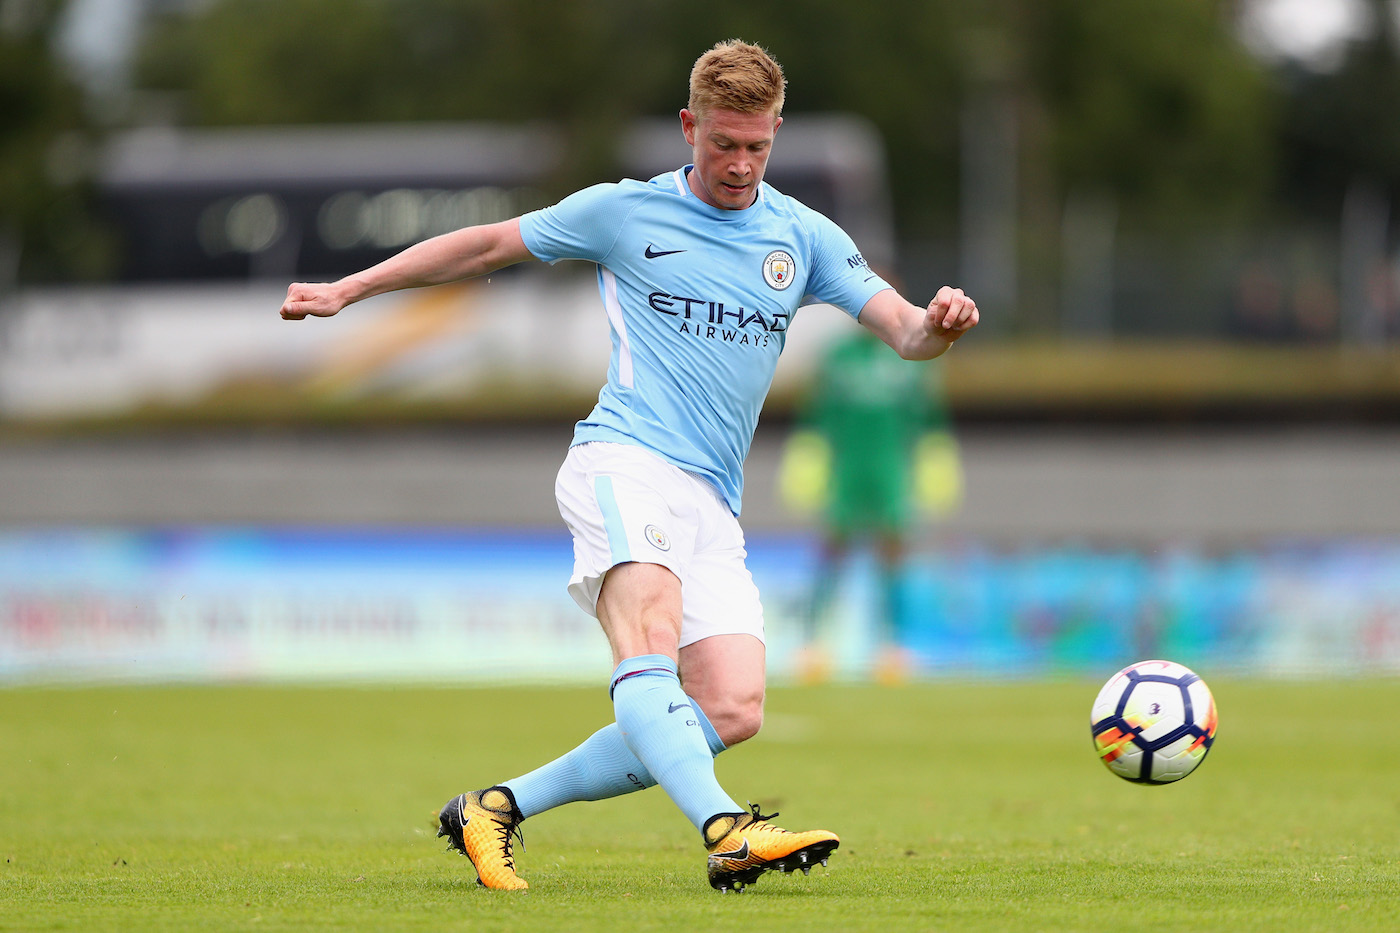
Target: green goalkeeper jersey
(872, 408)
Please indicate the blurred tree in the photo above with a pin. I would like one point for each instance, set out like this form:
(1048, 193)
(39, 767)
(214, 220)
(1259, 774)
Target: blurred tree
(1151, 99)
(344, 61)
(1082, 125)
(47, 230)
(1341, 125)
(1148, 123)
(1154, 101)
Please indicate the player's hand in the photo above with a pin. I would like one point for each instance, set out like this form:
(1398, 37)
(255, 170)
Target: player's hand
(951, 314)
(315, 299)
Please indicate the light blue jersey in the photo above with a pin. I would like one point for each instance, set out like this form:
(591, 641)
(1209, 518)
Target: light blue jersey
(699, 300)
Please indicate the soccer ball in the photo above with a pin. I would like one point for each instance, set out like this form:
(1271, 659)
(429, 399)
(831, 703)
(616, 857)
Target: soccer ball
(1153, 722)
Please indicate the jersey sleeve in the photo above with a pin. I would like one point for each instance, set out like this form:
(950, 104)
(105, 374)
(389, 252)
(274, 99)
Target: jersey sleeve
(585, 225)
(840, 275)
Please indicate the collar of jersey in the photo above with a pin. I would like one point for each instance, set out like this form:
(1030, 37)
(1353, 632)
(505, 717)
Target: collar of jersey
(719, 213)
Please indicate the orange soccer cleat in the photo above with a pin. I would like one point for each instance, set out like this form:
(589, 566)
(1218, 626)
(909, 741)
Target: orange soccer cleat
(479, 824)
(743, 846)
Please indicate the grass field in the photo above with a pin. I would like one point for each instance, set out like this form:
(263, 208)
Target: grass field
(961, 807)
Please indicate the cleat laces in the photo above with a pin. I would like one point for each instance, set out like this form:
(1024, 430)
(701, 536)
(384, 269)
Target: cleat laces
(760, 818)
(506, 830)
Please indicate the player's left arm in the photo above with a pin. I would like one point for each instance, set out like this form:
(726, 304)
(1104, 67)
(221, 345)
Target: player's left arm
(918, 333)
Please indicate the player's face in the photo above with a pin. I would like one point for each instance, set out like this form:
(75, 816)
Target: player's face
(730, 154)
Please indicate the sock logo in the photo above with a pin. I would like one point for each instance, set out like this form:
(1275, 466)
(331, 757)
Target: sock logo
(672, 707)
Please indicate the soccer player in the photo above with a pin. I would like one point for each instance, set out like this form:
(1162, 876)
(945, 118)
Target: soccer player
(880, 426)
(701, 271)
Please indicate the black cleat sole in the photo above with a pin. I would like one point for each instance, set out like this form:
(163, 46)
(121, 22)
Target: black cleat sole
(802, 860)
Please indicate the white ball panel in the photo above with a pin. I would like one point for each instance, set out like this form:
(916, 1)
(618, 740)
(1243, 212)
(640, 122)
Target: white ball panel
(1175, 761)
(1156, 709)
(1128, 764)
(1202, 703)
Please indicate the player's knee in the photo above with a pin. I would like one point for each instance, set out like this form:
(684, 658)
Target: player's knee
(738, 719)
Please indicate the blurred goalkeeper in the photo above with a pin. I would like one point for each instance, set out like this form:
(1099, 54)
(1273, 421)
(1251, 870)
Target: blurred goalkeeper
(701, 271)
(873, 448)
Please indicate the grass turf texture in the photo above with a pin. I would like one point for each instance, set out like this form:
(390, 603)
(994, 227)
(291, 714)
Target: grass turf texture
(969, 807)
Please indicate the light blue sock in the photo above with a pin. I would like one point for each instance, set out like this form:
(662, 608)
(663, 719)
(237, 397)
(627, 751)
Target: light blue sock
(712, 738)
(602, 767)
(661, 725)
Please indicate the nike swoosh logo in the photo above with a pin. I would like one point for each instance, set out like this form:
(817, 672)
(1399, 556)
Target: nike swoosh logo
(738, 855)
(653, 253)
(672, 708)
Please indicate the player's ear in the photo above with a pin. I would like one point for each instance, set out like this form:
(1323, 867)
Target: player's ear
(688, 121)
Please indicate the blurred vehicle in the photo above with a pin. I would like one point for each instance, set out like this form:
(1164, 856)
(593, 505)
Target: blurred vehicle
(215, 222)
(317, 202)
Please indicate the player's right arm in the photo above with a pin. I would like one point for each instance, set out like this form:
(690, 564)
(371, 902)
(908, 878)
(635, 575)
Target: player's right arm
(461, 254)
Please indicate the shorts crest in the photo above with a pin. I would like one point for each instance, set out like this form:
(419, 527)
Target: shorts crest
(657, 537)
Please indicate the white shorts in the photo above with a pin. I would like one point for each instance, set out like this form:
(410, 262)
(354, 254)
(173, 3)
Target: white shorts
(623, 503)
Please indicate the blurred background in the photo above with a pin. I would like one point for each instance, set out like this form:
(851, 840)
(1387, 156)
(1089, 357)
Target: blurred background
(1176, 432)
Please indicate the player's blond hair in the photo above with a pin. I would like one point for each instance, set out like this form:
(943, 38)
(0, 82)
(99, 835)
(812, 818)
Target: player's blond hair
(735, 75)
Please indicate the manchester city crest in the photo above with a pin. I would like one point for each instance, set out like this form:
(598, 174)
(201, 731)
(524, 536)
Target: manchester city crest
(657, 537)
(779, 269)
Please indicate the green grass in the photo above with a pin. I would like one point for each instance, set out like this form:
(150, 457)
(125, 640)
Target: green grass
(962, 807)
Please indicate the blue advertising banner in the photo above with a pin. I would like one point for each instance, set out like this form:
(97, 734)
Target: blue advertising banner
(490, 606)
